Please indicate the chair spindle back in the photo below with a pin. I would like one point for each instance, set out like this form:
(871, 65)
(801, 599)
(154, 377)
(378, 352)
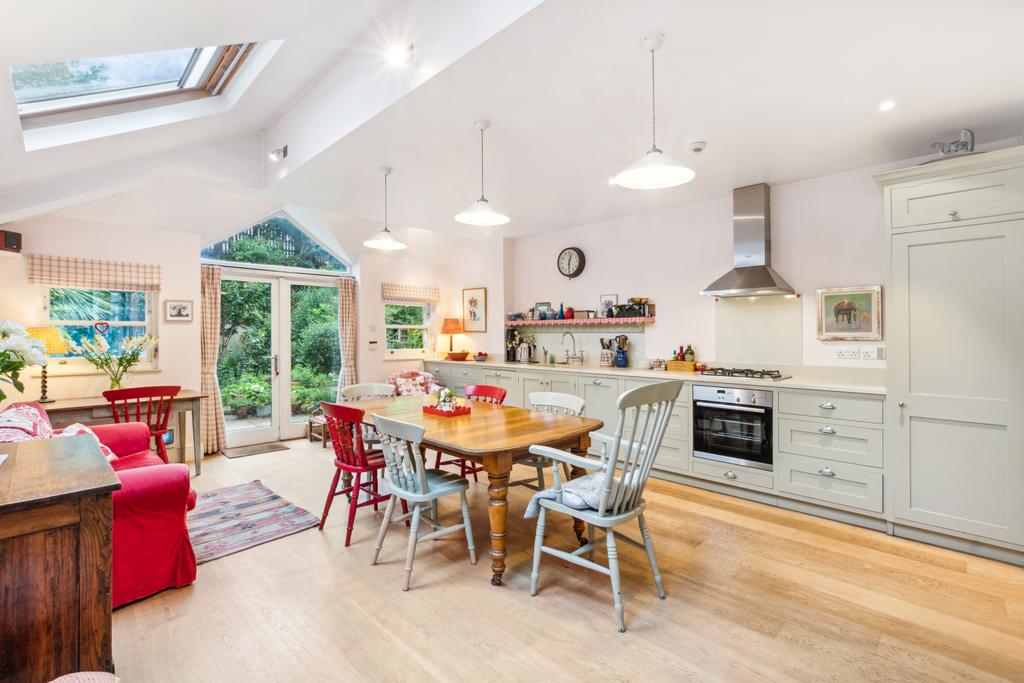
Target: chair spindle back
(485, 393)
(345, 426)
(151, 405)
(556, 402)
(400, 442)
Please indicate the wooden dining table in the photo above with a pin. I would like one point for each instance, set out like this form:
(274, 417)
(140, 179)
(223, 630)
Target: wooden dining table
(495, 436)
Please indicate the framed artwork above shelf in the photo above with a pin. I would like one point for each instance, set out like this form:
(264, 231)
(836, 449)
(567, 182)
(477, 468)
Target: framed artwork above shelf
(577, 322)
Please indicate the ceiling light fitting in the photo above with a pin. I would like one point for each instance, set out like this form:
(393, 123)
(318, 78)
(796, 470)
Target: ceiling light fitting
(886, 105)
(481, 212)
(278, 154)
(385, 240)
(655, 170)
(400, 55)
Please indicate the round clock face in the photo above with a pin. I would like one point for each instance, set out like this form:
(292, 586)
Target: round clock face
(571, 262)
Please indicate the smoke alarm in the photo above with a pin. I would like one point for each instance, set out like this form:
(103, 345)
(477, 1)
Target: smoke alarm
(698, 147)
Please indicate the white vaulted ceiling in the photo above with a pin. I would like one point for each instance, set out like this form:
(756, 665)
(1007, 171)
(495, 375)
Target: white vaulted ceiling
(780, 91)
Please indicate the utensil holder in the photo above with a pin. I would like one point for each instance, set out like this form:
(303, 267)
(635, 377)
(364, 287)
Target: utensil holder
(607, 358)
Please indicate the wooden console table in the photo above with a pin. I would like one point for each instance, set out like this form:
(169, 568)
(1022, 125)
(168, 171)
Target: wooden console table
(55, 559)
(96, 409)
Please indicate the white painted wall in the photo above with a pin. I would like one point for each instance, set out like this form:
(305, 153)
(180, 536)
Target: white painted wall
(826, 232)
(176, 252)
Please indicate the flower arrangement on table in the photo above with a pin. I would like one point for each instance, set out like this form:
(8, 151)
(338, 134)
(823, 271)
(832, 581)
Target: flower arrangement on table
(445, 404)
(17, 350)
(99, 354)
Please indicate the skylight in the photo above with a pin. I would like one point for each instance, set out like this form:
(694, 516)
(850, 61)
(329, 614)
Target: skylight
(93, 81)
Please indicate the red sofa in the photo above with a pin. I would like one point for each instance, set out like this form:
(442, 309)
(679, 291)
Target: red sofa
(151, 546)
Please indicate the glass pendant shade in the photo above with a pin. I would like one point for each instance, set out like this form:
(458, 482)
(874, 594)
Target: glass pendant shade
(385, 241)
(654, 171)
(481, 213)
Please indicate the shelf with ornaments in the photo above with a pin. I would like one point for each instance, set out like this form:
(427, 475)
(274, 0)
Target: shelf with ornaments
(582, 322)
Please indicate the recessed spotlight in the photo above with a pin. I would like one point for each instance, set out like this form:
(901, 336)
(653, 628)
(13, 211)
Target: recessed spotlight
(886, 105)
(278, 154)
(400, 55)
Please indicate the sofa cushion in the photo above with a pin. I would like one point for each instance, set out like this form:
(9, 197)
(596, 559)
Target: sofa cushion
(134, 460)
(24, 421)
(79, 428)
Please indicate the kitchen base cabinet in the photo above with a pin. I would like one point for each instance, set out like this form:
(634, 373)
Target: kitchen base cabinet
(601, 396)
(558, 382)
(830, 482)
(508, 380)
(733, 475)
(673, 456)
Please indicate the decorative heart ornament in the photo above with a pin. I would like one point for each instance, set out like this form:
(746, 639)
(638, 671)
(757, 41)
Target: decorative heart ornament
(101, 327)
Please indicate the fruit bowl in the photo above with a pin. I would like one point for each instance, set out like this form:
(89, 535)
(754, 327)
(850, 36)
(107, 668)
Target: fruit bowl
(457, 355)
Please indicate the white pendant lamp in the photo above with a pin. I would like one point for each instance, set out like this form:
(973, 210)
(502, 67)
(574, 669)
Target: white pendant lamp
(481, 212)
(655, 170)
(385, 240)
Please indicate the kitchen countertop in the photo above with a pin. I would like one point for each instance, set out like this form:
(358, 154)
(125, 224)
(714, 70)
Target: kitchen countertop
(807, 380)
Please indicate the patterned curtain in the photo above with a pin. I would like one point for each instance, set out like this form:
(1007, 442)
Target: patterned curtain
(66, 271)
(347, 315)
(211, 412)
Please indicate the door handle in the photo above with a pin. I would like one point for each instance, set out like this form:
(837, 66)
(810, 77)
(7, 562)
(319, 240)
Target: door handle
(277, 369)
(729, 474)
(827, 429)
(826, 472)
(827, 405)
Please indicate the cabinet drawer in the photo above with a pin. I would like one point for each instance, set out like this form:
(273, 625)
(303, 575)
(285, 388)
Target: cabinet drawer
(464, 375)
(831, 441)
(678, 426)
(983, 195)
(831, 406)
(673, 456)
(830, 482)
(733, 474)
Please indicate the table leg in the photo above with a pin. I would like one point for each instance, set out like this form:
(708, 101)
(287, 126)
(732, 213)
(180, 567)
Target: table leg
(497, 511)
(197, 437)
(574, 473)
(180, 436)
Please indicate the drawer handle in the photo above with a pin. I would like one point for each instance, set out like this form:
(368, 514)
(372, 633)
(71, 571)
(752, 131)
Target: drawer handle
(729, 474)
(954, 214)
(827, 405)
(826, 472)
(597, 382)
(827, 429)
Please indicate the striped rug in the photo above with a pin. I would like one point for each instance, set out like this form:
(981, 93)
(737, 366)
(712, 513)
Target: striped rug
(238, 517)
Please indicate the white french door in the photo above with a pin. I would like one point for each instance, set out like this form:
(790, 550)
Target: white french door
(279, 353)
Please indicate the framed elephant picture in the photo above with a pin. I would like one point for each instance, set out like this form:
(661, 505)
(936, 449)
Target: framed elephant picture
(850, 313)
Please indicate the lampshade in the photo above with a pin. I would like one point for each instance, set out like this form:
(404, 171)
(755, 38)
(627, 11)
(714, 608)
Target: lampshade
(451, 326)
(385, 241)
(481, 213)
(51, 338)
(654, 171)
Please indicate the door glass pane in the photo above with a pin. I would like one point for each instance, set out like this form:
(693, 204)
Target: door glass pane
(315, 353)
(243, 363)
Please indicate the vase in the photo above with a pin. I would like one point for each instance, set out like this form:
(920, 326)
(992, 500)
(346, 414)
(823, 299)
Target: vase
(116, 382)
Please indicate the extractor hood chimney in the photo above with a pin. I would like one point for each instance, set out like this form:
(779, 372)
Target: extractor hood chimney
(752, 274)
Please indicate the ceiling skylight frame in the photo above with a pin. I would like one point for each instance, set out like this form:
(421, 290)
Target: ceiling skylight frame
(208, 70)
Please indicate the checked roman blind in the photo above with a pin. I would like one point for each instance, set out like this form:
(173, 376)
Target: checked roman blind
(421, 294)
(67, 271)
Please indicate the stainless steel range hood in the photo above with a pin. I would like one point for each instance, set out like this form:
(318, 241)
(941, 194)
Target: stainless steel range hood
(752, 273)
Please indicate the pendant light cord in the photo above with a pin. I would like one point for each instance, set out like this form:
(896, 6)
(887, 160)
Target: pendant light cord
(386, 202)
(654, 144)
(481, 164)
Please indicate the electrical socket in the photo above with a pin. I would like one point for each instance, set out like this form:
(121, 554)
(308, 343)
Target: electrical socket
(848, 353)
(872, 353)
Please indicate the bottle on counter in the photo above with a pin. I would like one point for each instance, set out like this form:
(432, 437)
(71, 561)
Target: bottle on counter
(689, 355)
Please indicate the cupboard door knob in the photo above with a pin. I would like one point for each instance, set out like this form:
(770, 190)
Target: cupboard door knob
(729, 474)
(827, 429)
(826, 472)
(901, 404)
(827, 405)
(597, 382)
(955, 215)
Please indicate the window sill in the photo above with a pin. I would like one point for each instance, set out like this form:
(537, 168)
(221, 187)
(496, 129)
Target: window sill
(57, 371)
(394, 357)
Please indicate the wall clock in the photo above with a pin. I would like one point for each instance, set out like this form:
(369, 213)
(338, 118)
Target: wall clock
(571, 262)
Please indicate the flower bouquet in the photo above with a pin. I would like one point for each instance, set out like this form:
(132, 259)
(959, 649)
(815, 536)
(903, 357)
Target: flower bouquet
(17, 350)
(102, 357)
(445, 404)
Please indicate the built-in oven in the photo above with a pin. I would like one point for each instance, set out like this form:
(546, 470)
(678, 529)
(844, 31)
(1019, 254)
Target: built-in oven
(733, 425)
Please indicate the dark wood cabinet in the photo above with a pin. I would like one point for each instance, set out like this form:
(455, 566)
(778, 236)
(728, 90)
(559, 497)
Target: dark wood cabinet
(55, 553)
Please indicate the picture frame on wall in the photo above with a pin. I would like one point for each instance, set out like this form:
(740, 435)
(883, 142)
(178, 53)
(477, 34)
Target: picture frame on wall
(178, 310)
(474, 310)
(606, 304)
(850, 313)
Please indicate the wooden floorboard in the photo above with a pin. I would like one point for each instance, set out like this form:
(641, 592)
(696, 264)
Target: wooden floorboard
(754, 593)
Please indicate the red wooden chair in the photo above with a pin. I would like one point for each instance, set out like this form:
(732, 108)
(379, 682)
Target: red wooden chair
(345, 425)
(485, 393)
(151, 405)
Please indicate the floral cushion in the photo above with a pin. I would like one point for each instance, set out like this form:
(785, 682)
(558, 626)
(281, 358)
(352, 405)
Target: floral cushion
(412, 382)
(22, 422)
(78, 428)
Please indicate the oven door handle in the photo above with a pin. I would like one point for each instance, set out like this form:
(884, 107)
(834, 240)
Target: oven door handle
(729, 406)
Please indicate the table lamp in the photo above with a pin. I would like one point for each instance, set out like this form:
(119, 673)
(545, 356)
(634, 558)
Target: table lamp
(451, 327)
(55, 346)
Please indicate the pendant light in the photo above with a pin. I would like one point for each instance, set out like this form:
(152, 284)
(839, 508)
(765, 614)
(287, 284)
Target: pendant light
(481, 212)
(655, 170)
(384, 240)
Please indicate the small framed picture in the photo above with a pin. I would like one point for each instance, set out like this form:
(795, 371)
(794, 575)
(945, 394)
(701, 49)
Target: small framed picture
(544, 306)
(850, 313)
(605, 307)
(474, 310)
(177, 311)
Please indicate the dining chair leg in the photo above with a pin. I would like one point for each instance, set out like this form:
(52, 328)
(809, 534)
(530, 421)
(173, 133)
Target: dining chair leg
(388, 511)
(613, 570)
(374, 487)
(353, 505)
(538, 543)
(410, 552)
(330, 497)
(437, 461)
(540, 478)
(590, 539)
(469, 529)
(645, 533)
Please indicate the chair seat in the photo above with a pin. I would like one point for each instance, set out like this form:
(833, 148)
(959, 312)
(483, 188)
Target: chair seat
(439, 482)
(591, 515)
(317, 420)
(374, 461)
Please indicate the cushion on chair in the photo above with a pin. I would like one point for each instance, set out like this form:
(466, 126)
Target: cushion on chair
(23, 422)
(583, 493)
(78, 429)
(135, 460)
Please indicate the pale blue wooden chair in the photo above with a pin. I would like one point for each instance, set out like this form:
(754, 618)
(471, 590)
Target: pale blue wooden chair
(412, 483)
(622, 472)
(549, 402)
